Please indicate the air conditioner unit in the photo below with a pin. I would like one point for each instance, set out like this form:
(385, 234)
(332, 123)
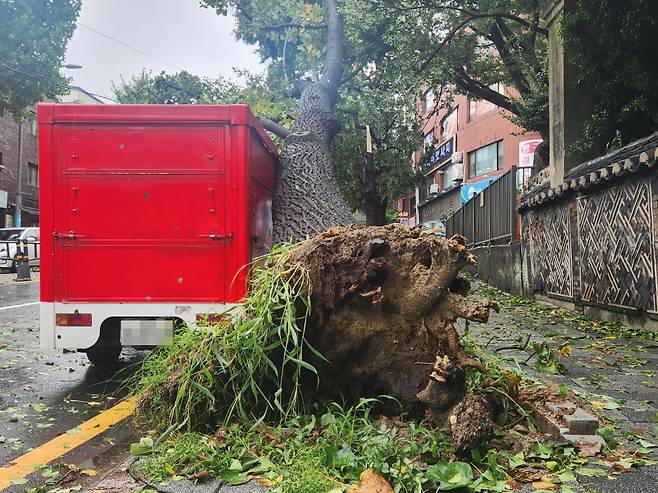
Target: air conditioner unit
(457, 157)
(459, 175)
(434, 188)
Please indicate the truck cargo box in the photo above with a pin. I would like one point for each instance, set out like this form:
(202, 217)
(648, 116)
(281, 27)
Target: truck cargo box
(148, 212)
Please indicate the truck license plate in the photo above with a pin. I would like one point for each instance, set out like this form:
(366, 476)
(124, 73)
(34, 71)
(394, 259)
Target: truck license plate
(147, 332)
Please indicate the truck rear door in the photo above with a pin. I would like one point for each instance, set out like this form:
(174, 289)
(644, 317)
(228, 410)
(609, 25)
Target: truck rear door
(140, 213)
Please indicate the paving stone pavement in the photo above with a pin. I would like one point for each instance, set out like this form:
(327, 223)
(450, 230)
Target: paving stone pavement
(618, 375)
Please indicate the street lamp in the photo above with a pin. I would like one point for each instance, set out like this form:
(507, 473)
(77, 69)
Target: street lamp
(72, 66)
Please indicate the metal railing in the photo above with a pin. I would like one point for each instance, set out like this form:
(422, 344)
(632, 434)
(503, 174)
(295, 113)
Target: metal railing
(9, 250)
(490, 217)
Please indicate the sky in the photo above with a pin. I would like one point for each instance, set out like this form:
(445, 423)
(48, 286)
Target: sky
(169, 35)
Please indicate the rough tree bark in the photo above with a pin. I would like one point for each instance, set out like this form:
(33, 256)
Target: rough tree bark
(384, 301)
(307, 199)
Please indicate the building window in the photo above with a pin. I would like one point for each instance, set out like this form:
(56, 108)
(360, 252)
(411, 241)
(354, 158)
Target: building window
(428, 140)
(485, 159)
(480, 107)
(32, 174)
(428, 100)
(451, 173)
(449, 125)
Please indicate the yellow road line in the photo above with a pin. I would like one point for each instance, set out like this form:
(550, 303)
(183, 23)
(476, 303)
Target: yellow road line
(60, 445)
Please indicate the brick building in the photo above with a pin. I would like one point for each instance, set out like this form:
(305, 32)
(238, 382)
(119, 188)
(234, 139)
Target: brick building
(10, 130)
(473, 143)
(9, 146)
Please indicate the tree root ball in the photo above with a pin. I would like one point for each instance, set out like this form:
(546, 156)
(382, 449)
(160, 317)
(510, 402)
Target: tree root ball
(384, 301)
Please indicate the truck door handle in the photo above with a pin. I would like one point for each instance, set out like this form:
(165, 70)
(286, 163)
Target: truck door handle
(71, 235)
(218, 237)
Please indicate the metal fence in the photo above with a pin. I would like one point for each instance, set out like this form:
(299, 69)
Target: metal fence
(490, 217)
(9, 249)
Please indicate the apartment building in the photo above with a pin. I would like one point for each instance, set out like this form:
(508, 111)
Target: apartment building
(466, 146)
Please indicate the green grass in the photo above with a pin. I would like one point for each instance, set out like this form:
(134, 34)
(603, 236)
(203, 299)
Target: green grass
(248, 366)
(309, 453)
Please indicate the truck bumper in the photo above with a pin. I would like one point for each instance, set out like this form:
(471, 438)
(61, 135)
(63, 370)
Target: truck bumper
(69, 337)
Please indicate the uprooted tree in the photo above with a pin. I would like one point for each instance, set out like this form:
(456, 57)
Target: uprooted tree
(348, 311)
(351, 312)
(307, 199)
(381, 306)
(384, 305)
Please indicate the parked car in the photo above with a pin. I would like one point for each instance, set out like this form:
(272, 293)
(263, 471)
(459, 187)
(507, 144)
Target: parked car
(8, 239)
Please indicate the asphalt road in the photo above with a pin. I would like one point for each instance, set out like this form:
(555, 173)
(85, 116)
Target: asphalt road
(46, 393)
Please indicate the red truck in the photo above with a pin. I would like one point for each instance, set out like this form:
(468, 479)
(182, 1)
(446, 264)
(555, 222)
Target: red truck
(149, 214)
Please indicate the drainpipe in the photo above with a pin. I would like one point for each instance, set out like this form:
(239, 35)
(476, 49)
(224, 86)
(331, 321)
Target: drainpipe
(19, 186)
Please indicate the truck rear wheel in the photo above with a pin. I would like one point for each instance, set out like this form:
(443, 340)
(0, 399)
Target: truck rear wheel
(103, 355)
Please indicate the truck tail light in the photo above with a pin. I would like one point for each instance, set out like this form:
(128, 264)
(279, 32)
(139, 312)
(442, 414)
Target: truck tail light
(73, 319)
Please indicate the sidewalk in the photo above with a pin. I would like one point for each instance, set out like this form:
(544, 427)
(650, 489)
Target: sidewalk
(615, 374)
(11, 277)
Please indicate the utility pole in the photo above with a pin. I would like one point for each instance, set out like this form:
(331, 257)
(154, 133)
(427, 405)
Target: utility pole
(19, 185)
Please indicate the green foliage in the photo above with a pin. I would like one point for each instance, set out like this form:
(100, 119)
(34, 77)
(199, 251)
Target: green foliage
(295, 51)
(394, 138)
(328, 450)
(314, 453)
(612, 46)
(185, 88)
(388, 59)
(33, 42)
(463, 47)
(248, 366)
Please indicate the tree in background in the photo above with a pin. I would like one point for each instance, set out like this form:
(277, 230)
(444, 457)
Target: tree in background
(469, 47)
(613, 46)
(329, 61)
(305, 41)
(374, 181)
(185, 88)
(33, 41)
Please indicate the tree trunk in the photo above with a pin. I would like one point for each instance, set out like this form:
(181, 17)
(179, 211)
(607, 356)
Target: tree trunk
(307, 199)
(374, 205)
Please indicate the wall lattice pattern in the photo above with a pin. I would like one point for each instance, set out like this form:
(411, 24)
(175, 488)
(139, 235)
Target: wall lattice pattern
(615, 238)
(551, 254)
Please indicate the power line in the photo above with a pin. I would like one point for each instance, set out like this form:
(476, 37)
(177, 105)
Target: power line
(41, 76)
(100, 96)
(29, 73)
(126, 45)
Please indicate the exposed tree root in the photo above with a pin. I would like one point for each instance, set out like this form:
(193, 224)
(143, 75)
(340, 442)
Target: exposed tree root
(384, 301)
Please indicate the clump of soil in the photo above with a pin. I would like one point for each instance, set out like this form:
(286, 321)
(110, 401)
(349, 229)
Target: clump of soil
(385, 300)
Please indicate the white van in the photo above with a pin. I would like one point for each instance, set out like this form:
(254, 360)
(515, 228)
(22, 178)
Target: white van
(8, 239)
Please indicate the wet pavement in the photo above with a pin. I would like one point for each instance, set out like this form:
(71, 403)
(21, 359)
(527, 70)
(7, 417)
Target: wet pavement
(46, 393)
(613, 372)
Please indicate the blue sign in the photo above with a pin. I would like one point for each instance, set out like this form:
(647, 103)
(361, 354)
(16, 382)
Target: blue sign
(470, 190)
(445, 150)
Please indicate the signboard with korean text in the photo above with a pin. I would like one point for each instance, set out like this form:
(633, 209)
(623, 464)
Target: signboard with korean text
(527, 150)
(443, 151)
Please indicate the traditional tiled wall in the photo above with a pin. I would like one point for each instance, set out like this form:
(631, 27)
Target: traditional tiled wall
(597, 247)
(615, 237)
(549, 246)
